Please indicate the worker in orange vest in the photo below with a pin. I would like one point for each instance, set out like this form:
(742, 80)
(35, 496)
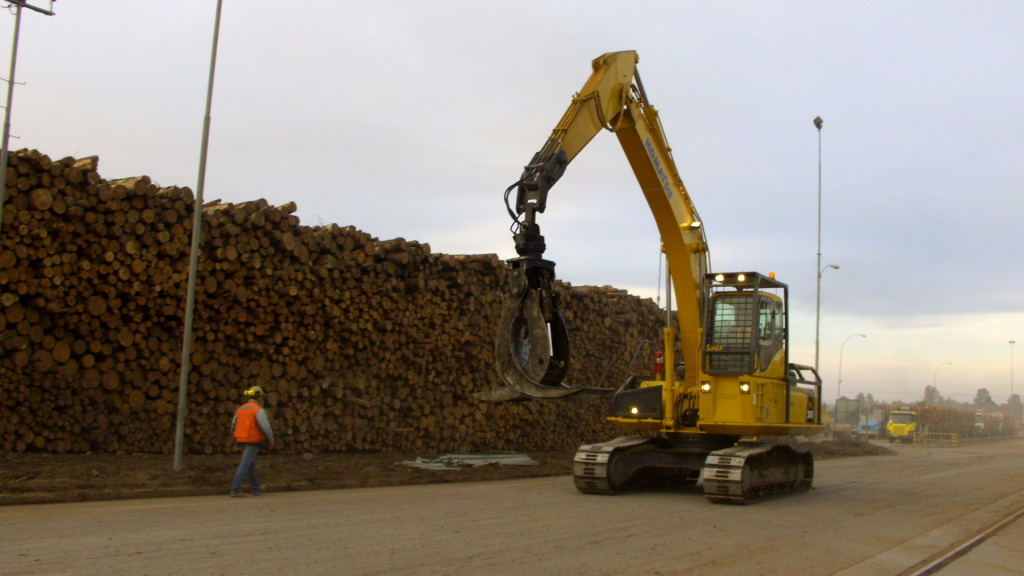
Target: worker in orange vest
(251, 427)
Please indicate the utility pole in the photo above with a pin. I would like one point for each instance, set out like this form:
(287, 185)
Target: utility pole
(197, 225)
(18, 5)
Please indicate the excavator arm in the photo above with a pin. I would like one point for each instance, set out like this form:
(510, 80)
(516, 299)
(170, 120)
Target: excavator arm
(600, 101)
(532, 348)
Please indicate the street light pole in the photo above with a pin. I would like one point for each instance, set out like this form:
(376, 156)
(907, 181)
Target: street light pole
(817, 314)
(1012, 342)
(935, 376)
(1012, 403)
(818, 122)
(839, 388)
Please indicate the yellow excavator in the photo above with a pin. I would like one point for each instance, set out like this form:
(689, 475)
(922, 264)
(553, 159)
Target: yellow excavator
(712, 415)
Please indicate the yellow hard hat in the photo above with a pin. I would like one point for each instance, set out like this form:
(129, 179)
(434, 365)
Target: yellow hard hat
(254, 392)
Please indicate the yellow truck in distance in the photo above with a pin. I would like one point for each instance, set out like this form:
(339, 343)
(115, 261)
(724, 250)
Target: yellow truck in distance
(901, 425)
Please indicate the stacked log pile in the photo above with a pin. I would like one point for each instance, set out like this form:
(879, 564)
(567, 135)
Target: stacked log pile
(945, 420)
(966, 423)
(361, 343)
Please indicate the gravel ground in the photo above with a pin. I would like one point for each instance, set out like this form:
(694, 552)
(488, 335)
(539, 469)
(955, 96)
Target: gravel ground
(37, 478)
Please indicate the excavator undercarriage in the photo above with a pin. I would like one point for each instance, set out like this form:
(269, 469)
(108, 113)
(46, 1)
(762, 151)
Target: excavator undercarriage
(741, 473)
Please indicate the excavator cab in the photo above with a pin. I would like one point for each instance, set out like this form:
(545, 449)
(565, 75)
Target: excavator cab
(745, 324)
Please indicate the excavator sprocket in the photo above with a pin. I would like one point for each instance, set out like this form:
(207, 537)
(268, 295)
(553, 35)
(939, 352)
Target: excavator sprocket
(749, 472)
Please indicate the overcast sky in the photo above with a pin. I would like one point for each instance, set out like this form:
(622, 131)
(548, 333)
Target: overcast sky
(410, 118)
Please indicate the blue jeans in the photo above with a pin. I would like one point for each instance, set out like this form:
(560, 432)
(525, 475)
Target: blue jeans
(247, 469)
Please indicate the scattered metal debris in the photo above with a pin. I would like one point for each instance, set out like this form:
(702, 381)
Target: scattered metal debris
(460, 461)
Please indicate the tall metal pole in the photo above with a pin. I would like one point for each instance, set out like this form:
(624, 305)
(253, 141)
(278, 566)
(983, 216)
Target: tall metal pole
(818, 122)
(10, 98)
(935, 376)
(1012, 404)
(197, 224)
(7, 113)
(1012, 342)
(839, 388)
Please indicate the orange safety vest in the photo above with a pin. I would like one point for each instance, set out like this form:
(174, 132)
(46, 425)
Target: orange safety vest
(246, 429)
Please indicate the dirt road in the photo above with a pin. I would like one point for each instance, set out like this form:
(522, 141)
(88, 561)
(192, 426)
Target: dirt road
(870, 515)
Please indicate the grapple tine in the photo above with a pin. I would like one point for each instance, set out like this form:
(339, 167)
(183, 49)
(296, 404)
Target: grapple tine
(532, 353)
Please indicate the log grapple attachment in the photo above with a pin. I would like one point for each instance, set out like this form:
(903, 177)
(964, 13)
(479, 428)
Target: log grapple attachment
(531, 349)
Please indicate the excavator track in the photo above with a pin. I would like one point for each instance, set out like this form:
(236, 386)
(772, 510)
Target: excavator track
(746, 473)
(634, 462)
(596, 467)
